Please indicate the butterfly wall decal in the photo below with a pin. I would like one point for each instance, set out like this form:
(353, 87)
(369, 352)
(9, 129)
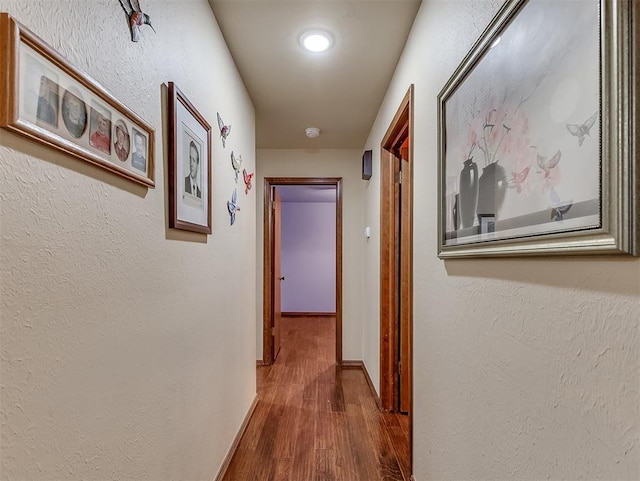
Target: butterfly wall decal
(136, 18)
(225, 130)
(236, 162)
(518, 179)
(232, 206)
(546, 164)
(560, 208)
(557, 213)
(583, 129)
(247, 180)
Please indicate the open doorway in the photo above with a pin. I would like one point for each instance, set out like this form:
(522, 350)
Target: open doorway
(396, 267)
(308, 250)
(274, 278)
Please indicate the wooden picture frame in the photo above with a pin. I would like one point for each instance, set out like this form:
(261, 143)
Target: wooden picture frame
(538, 134)
(45, 98)
(189, 165)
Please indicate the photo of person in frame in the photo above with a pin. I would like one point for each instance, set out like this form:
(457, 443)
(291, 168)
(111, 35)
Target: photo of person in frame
(100, 129)
(122, 142)
(139, 156)
(40, 102)
(74, 113)
(48, 98)
(192, 165)
(31, 87)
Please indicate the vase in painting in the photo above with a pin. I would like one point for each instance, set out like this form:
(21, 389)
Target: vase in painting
(455, 214)
(468, 193)
(492, 188)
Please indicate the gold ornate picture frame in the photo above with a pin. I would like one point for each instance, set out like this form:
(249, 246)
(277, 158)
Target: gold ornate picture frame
(538, 134)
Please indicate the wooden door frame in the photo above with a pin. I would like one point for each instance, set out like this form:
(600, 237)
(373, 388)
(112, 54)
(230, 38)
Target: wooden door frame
(267, 310)
(400, 127)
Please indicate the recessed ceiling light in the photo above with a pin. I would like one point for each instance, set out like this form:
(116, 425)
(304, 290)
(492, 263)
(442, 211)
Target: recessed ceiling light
(316, 40)
(312, 132)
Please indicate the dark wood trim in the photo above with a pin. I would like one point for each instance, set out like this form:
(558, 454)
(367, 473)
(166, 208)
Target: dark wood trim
(351, 364)
(266, 276)
(259, 363)
(236, 440)
(409, 290)
(266, 249)
(387, 269)
(308, 314)
(400, 125)
(339, 271)
(400, 128)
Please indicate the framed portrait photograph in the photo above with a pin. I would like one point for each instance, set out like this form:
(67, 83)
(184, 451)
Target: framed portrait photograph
(536, 134)
(189, 165)
(45, 98)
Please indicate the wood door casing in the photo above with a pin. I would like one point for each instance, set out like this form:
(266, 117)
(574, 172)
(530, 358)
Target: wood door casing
(400, 298)
(388, 265)
(396, 264)
(267, 277)
(405, 267)
(277, 273)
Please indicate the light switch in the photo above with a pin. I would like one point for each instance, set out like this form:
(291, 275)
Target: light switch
(367, 232)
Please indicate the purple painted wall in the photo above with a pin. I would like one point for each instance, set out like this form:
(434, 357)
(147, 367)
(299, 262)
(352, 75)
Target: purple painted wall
(308, 256)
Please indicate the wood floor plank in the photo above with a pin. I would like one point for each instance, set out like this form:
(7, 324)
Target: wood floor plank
(285, 442)
(258, 420)
(398, 431)
(345, 462)
(310, 380)
(281, 469)
(386, 457)
(362, 448)
(337, 394)
(239, 465)
(325, 466)
(304, 454)
(313, 420)
(266, 442)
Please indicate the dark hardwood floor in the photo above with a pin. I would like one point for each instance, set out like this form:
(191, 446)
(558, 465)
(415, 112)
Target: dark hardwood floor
(315, 421)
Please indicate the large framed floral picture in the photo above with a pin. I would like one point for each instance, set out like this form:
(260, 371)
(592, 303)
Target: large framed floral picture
(537, 135)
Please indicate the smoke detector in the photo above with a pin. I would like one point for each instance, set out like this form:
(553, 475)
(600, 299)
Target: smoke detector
(312, 132)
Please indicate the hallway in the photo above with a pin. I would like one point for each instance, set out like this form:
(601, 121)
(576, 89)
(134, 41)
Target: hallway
(314, 421)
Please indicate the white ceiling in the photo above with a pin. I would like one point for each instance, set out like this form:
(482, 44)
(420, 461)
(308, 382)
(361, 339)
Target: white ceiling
(338, 91)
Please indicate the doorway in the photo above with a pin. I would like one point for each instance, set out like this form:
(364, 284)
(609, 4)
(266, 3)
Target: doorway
(396, 265)
(272, 278)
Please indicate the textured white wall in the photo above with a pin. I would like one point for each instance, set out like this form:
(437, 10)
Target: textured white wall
(323, 163)
(127, 348)
(523, 368)
(308, 257)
